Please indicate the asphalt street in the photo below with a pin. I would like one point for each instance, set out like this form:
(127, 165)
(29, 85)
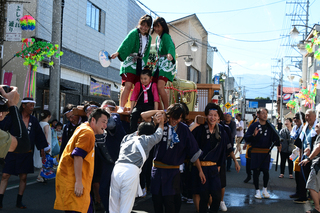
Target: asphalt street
(239, 196)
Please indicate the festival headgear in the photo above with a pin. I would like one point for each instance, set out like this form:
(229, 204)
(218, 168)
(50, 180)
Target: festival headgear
(91, 106)
(228, 113)
(68, 111)
(27, 101)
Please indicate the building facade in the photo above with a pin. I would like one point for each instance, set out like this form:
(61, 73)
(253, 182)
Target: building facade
(88, 26)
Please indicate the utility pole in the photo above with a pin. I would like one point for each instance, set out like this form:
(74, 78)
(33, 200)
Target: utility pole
(281, 91)
(2, 25)
(243, 103)
(55, 71)
(227, 84)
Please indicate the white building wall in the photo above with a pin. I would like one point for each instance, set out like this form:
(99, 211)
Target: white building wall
(44, 17)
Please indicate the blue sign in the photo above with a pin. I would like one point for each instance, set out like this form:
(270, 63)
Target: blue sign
(253, 104)
(216, 79)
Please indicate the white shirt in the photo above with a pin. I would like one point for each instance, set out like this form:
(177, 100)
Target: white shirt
(239, 124)
(144, 42)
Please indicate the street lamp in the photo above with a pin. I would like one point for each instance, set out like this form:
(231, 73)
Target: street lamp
(188, 61)
(294, 33)
(287, 69)
(194, 47)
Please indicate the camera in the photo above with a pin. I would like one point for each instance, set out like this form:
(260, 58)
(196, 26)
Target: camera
(3, 100)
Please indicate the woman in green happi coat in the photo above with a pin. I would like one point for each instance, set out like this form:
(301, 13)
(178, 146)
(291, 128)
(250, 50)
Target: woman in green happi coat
(134, 53)
(166, 66)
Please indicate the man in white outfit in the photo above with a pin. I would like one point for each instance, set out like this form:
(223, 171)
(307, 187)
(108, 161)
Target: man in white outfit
(134, 151)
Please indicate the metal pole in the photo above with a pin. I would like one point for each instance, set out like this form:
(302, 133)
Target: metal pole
(227, 85)
(281, 92)
(2, 25)
(55, 72)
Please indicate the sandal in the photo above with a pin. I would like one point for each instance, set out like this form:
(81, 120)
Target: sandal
(281, 176)
(291, 176)
(40, 179)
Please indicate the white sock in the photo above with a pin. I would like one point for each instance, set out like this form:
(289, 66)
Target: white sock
(257, 191)
(264, 189)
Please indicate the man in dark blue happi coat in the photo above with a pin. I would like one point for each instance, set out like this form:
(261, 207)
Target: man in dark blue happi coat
(22, 163)
(260, 136)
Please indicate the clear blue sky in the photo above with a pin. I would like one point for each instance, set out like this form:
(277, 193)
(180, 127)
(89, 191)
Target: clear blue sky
(266, 20)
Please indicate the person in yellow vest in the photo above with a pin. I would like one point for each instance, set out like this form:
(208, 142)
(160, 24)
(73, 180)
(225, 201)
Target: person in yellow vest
(75, 170)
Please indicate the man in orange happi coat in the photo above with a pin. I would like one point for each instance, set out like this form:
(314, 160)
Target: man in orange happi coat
(75, 171)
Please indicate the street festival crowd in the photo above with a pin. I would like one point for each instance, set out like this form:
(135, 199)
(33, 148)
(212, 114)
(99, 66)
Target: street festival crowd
(102, 163)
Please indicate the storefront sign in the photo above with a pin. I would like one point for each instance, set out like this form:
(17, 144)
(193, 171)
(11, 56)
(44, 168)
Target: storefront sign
(100, 89)
(13, 29)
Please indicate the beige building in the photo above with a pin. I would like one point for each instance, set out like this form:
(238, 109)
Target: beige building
(184, 32)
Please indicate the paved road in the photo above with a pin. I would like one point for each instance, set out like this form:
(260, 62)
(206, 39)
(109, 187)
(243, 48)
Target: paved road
(239, 196)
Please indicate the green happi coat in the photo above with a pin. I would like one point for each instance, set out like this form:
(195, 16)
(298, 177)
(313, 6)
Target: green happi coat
(131, 45)
(166, 46)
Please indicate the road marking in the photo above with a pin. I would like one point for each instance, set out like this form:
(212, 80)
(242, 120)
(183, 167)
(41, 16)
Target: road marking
(17, 186)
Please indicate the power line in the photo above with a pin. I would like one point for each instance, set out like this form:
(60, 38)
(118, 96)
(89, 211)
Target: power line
(226, 11)
(269, 31)
(274, 39)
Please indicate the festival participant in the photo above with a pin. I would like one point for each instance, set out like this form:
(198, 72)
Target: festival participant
(248, 148)
(134, 151)
(22, 163)
(176, 144)
(73, 122)
(45, 116)
(75, 170)
(88, 107)
(144, 97)
(299, 120)
(261, 137)
(134, 53)
(285, 148)
(212, 140)
(227, 120)
(239, 128)
(313, 182)
(305, 137)
(19, 140)
(166, 67)
(107, 150)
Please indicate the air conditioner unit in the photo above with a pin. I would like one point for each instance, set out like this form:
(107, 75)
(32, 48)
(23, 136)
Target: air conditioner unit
(1, 51)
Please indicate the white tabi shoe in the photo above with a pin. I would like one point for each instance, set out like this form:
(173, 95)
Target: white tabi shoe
(258, 195)
(265, 193)
(223, 206)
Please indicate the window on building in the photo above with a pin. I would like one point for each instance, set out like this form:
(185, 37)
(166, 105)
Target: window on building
(95, 17)
(193, 75)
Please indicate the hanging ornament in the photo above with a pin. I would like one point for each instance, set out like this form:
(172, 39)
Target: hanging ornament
(315, 76)
(27, 22)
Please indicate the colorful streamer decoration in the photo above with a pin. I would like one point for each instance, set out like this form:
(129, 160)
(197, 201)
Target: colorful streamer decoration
(314, 41)
(27, 22)
(32, 54)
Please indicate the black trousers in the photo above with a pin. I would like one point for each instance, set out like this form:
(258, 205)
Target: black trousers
(135, 115)
(256, 174)
(285, 157)
(204, 199)
(171, 203)
(248, 165)
(304, 174)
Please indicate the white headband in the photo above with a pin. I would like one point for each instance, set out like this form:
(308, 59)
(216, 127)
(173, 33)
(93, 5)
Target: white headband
(27, 101)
